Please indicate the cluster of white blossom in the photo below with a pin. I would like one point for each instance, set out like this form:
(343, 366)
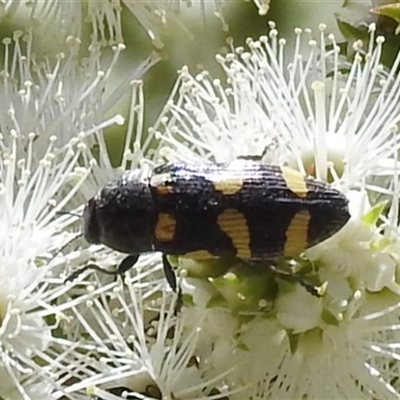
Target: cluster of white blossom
(64, 18)
(239, 333)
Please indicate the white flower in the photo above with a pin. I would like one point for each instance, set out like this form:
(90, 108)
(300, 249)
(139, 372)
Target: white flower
(143, 346)
(282, 341)
(66, 18)
(303, 111)
(51, 113)
(242, 332)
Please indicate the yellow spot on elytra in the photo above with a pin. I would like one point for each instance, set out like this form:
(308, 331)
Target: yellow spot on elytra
(161, 184)
(234, 224)
(297, 234)
(199, 255)
(165, 227)
(228, 186)
(295, 181)
(163, 189)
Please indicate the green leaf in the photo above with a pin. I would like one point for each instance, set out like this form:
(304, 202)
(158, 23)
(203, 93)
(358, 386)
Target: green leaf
(389, 10)
(217, 300)
(371, 217)
(351, 32)
(329, 318)
(212, 267)
(187, 300)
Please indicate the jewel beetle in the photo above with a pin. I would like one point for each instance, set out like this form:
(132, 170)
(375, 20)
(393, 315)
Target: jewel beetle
(244, 208)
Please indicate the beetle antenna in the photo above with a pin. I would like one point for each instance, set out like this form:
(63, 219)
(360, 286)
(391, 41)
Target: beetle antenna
(290, 277)
(62, 248)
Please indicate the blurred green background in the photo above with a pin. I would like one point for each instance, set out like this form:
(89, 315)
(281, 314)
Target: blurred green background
(191, 34)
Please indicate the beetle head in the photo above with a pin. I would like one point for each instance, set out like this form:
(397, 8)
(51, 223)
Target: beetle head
(90, 225)
(122, 215)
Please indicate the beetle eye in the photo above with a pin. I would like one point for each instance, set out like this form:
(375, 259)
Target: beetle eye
(90, 223)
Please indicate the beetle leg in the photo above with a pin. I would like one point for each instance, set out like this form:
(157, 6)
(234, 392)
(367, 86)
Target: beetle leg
(170, 276)
(169, 273)
(290, 277)
(255, 157)
(127, 263)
